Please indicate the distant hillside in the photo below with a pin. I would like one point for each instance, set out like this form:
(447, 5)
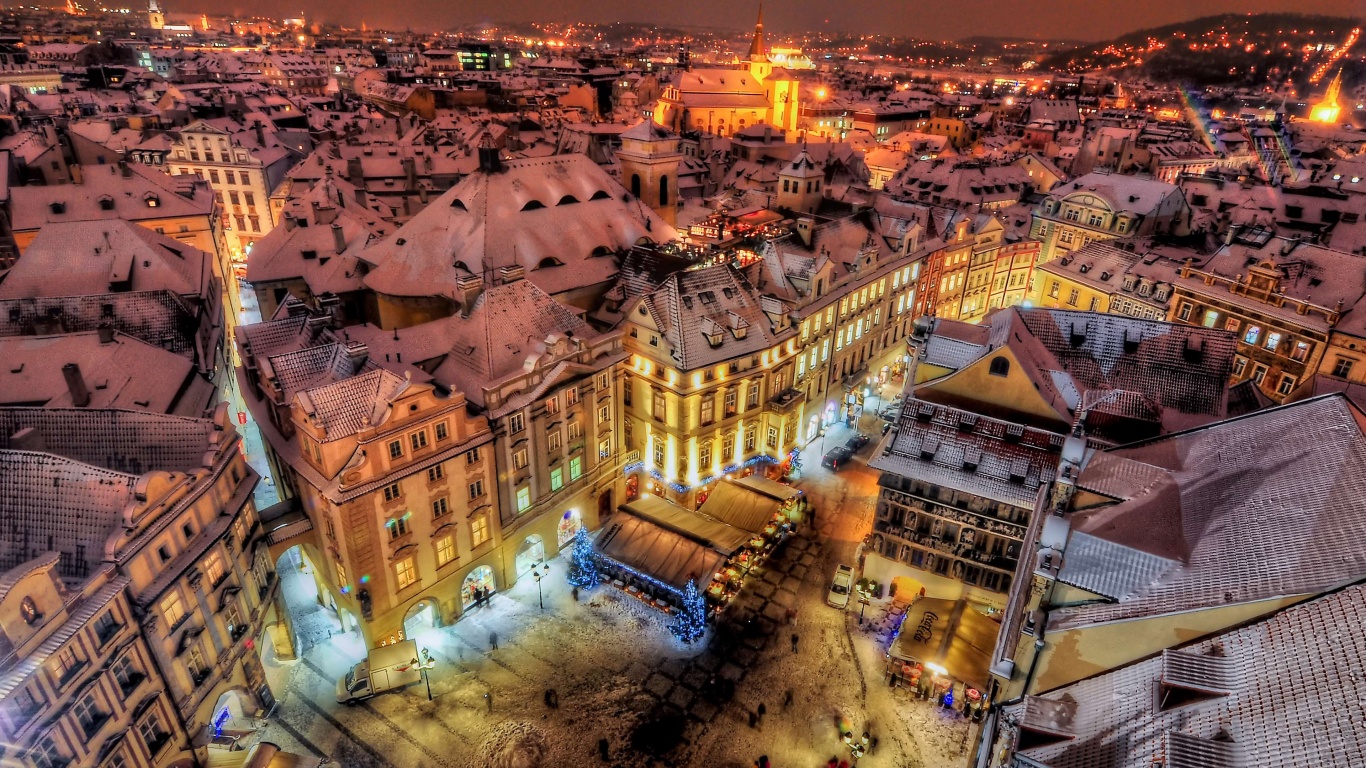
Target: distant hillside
(1227, 49)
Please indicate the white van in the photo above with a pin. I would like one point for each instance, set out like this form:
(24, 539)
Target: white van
(840, 587)
(385, 669)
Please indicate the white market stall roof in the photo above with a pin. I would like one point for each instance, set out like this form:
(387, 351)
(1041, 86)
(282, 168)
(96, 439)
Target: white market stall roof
(656, 552)
(701, 528)
(951, 634)
(740, 506)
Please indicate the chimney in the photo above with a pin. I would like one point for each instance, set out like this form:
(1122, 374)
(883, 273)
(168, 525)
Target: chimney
(354, 173)
(290, 223)
(804, 227)
(488, 155)
(28, 439)
(357, 353)
(75, 384)
(410, 173)
(511, 274)
(106, 333)
(260, 133)
(77, 176)
(468, 289)
(360, 196)
(338, 237)
(125, 170)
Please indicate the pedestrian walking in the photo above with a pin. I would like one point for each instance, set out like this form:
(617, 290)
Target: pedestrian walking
(794, 642)
(763, 761)
(552, 699)
(753, 719)
(488, 702)
(763, 710)
(575, 593)
(787, 699)
(493, 641)
(603, 749)
(872, 746)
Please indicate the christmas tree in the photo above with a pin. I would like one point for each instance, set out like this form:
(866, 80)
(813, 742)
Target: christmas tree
(691, 621)
(583, 562)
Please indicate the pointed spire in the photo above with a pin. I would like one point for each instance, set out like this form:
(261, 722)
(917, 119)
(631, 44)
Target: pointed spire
(757, 46)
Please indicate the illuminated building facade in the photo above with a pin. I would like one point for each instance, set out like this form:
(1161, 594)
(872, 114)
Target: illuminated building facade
(1328, 109)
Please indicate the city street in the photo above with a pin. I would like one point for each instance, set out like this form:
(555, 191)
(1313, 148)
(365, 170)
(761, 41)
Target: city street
(620, 676)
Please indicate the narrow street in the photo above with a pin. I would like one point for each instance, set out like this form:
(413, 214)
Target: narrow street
(619, 675)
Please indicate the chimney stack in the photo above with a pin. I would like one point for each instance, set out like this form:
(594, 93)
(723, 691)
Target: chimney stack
(468, 287)
(106, 333)
(489, 161)
(338, 237)
(75, 384)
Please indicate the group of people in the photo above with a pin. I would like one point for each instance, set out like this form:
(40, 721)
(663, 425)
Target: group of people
(481, 596)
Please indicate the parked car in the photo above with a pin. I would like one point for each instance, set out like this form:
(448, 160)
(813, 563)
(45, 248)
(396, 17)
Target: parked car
(840, 586)
(856, 442)
(836, 457)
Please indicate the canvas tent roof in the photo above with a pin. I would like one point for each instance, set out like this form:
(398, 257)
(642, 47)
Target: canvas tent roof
(701, 528)
(742, 507)
(657, 552)
(950, 634)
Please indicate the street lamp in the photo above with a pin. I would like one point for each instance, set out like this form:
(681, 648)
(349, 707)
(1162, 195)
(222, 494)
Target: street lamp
(540, 575)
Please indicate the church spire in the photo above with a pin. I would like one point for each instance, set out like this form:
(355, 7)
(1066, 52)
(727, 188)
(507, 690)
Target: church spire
(756, 48)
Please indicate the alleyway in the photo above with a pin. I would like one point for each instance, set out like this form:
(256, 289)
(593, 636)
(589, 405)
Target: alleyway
(619, 675)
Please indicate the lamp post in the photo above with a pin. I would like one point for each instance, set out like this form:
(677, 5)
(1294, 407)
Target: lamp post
(539, 576)
(426, 664)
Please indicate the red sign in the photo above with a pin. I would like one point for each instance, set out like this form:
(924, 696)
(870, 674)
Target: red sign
(241, 417)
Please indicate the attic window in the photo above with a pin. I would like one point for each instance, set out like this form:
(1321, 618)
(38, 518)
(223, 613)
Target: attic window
(532, 205)
(999, 366)
(549, 261)
(458, 203)
(106, 203)
(567, 200)
(400, 241)
(600, 195)
(59, 207)
(310, 254)
(152, 201)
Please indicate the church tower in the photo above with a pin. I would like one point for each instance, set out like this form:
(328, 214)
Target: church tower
(650, 158)
(155, 17)
(1328, 109)
(799, 184)
(757, 59)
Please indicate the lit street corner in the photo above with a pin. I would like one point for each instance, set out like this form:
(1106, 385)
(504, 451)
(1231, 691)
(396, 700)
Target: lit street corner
(617, 673)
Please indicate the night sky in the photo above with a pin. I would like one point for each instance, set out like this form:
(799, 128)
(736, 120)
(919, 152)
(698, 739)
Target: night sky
(1053, 19)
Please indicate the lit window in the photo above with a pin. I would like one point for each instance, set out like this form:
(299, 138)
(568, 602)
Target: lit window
(1253, 333)
(523, 499)
(556, 478)
(479, 529)
(405, 573)
(445, 550)
(172, 610)
(575, 468)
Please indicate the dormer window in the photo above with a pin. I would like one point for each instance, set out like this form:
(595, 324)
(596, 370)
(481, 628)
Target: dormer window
(106, 203)
(58, 207)
(28, 611)
(152, 201)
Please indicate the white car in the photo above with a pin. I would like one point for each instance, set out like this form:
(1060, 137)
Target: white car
(840, 587)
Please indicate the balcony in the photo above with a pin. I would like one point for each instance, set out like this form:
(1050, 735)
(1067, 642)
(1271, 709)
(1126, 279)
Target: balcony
(787, 401)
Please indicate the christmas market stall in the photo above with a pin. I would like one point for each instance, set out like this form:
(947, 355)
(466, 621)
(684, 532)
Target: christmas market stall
(655, 548)
(942, 652)
(766, 509)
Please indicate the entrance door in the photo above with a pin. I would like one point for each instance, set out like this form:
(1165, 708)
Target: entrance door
(479, 578)
(530, 554)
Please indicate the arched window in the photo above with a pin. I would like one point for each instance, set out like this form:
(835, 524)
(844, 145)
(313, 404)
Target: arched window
(999, 366)
(532, 205)
(663, 190)
(635, 184)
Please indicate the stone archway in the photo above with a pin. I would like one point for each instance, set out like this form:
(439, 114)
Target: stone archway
(530, 554)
